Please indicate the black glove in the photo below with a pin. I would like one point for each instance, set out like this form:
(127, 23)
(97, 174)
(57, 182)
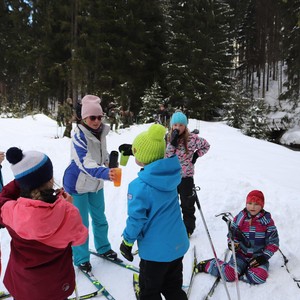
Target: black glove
(126, 149)
(195, 156)
(236, 246)
(125, 249)
(257, 261)
(174, 137)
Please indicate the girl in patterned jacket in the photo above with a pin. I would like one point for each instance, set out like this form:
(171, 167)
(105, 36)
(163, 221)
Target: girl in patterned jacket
(188, 147)
(259, 229)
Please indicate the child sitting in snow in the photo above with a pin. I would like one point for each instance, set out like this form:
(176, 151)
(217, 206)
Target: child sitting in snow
(154, 218)
(43, 226)
(260, 231)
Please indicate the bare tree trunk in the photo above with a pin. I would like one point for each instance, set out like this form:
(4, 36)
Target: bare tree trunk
(74, 52)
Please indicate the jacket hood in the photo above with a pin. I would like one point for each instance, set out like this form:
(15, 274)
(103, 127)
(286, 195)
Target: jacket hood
(44, 222)
(163, 174)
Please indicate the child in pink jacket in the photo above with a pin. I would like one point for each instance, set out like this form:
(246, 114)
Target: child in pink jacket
(43, 226)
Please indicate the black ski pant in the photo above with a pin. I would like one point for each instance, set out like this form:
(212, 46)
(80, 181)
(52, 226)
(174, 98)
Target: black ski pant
(187, 203)
(158, 278)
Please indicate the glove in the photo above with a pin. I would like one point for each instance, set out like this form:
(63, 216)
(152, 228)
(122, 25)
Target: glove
(126, 149)
(174, 138)
(125, 249)
(257, 261)
(195, 156)
(236, 246)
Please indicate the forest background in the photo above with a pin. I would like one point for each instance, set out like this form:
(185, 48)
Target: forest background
(217, 59)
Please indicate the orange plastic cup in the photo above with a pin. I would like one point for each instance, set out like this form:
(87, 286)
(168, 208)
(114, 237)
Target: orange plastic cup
(118, 176)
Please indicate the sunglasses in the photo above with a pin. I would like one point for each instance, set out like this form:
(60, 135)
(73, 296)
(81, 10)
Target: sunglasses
(93, 118)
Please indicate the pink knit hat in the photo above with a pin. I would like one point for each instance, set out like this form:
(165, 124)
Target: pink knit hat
(91, 106)
(256, 197)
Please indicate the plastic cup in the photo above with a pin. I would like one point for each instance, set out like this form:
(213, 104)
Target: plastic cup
(118, 176)
(124, 159)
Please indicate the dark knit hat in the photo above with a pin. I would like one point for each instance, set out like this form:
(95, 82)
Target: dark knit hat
(256, 197)
(31, 169)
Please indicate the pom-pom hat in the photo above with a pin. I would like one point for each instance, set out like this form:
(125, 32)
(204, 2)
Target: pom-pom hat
(91, 106)
(150, 145)
(256, 196)
(179, 118)
(31, 169)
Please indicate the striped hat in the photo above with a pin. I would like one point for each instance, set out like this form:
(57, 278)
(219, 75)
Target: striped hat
(31, 169)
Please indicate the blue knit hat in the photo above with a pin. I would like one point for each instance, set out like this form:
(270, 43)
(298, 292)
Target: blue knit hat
(31, 169)
(179, 117)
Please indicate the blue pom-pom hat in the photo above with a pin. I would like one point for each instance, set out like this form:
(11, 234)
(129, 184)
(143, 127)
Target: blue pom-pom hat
(31, 169)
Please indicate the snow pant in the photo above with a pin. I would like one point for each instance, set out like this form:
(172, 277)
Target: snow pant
(158, 278)
(91, 204)
(68, 129)
(187, 203)
(256, 275)
(113, 122)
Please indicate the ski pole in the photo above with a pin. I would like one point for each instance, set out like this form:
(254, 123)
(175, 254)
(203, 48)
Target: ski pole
(236, 276)
(76, 293)
(235, 231)
(195, 189)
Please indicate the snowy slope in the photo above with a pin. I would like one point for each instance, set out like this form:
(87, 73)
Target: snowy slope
(234, 165)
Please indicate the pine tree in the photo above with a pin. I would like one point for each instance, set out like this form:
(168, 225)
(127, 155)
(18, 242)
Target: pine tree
(255, 122)
(199, 59)
(150, 103)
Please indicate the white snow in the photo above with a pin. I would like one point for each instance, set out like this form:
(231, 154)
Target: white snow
(235, 165)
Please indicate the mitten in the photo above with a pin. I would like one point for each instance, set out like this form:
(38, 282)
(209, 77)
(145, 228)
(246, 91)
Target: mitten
(195, 156)
(257, 261)
(126, 149)
(174, 138)
(125, 249)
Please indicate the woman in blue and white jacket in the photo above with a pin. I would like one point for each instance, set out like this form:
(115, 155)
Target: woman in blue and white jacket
(83, 179)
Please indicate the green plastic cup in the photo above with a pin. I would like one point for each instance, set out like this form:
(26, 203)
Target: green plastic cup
(124, 159)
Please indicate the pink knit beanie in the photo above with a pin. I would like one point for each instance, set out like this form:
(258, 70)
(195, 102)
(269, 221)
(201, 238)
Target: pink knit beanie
(91, 106)
(256, 197)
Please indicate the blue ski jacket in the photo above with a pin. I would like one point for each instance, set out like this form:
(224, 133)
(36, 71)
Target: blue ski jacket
(154, 215)
(86, 172)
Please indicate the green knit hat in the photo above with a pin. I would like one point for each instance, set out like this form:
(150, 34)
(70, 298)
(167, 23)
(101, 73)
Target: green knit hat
(150, 145)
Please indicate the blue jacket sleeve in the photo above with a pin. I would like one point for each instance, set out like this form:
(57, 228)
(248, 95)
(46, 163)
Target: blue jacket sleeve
(138, 207)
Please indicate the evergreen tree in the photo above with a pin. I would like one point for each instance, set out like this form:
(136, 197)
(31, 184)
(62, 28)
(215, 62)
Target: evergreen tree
(199, 57)
(150, 103)
(291, 47)
(255, 121)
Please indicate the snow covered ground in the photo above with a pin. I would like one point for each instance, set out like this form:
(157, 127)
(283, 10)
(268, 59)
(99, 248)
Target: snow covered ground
(235, 165)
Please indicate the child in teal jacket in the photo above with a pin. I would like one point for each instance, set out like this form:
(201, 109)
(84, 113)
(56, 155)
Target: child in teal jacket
(154, 218)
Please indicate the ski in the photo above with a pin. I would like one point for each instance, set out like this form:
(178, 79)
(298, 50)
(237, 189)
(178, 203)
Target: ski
(189, 288)
(4, 295)
(100, 288)
(118, 262)
(217, 280)
(285, 261)
(136, 285)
